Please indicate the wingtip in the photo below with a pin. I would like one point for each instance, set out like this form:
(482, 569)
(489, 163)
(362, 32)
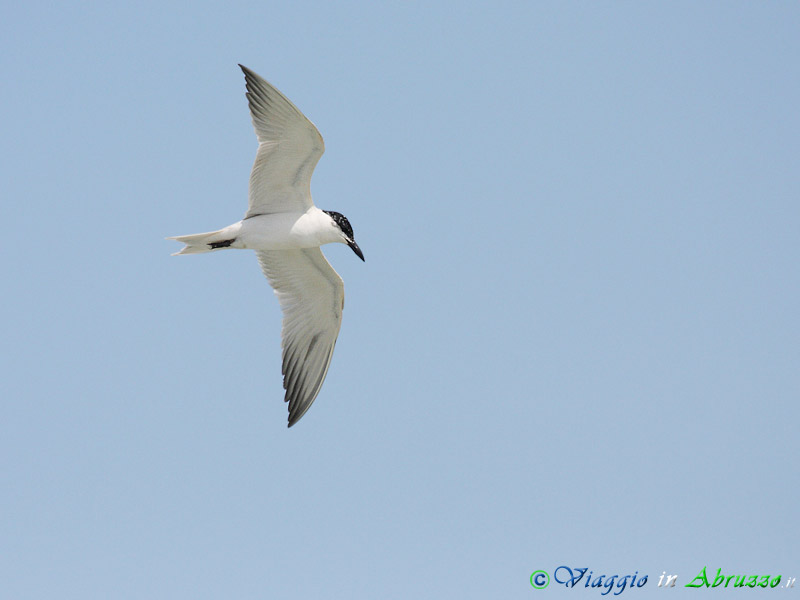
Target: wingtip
(294, 417)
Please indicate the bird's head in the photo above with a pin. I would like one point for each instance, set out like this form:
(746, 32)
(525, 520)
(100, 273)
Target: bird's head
(343, 225)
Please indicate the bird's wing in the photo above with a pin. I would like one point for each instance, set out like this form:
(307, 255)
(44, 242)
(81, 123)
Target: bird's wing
(311, 295)
(289, 147)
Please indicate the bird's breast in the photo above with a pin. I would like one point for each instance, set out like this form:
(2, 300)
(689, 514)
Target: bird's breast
(282, 231)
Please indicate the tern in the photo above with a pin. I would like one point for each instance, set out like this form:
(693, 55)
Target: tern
(286, 230)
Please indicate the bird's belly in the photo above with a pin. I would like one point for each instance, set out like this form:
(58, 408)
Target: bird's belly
(279, 231)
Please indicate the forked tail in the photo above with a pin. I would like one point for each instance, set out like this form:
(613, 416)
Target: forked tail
(198, 243)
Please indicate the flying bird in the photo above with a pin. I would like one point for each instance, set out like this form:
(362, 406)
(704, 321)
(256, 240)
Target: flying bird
(286, 230)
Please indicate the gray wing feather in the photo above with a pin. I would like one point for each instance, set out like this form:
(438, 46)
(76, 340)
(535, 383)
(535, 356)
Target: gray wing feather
(289, 148)
(311, 295)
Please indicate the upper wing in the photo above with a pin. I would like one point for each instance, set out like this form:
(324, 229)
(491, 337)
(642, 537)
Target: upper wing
(311, 295)
(288, 150)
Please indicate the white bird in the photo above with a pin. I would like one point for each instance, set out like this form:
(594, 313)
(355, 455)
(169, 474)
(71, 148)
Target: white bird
(286, 230)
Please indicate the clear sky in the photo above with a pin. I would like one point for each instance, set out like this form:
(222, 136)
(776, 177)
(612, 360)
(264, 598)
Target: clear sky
(575, 339)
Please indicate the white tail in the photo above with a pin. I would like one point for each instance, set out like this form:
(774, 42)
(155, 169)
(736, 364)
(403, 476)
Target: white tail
(202, 242)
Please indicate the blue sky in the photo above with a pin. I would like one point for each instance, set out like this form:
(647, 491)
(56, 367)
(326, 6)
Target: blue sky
(574, 340)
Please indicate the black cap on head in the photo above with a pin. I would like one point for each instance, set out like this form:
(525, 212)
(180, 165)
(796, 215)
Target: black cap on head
(347, 230)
